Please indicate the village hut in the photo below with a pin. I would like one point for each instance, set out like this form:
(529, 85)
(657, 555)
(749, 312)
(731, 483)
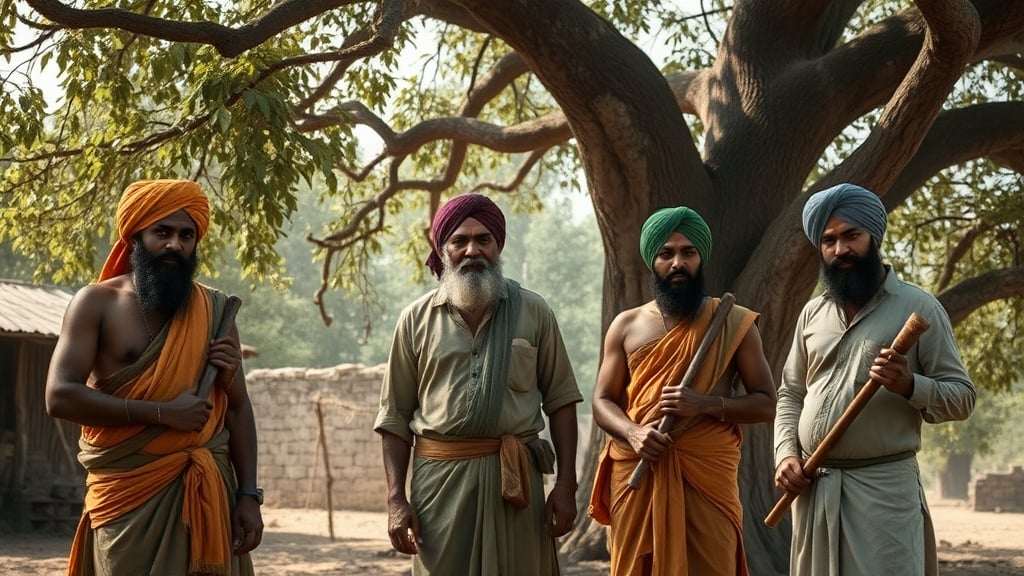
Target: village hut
(41, 482)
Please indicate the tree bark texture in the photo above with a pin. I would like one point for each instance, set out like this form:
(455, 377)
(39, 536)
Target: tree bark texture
(781, 90)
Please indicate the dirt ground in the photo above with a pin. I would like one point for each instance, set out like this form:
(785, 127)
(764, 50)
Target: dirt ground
(298, 543)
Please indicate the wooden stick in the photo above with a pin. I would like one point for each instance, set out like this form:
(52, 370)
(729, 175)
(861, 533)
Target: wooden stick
(227, 320)
(911, 331)
(327, 468)
(669, 420)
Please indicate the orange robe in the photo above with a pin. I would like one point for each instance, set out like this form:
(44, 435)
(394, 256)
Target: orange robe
(686, 517)
(130, 465)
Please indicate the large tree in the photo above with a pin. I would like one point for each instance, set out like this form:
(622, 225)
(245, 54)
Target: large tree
(797, 95)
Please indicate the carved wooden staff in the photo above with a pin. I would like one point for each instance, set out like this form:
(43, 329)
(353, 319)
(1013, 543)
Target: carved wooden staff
(669, 420)
(911, 331)
(227, 320)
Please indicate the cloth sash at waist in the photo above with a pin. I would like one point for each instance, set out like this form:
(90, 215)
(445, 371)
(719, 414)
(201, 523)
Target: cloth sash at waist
(862, 462)
(125, 483)
(513, 453)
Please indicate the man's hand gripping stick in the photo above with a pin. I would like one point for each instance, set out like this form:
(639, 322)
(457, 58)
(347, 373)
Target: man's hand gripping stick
(911, 331)
(669, 420)
(227, 320)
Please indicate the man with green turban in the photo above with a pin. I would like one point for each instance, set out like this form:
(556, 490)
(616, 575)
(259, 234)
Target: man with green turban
(685, 517)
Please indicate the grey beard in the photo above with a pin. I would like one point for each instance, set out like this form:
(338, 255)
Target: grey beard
(472, 290)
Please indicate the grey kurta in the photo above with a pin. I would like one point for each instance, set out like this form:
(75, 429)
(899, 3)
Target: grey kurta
(871, 519)
(435, 371)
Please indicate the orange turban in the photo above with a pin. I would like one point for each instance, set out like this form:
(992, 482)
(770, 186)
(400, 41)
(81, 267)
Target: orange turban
(146, 202)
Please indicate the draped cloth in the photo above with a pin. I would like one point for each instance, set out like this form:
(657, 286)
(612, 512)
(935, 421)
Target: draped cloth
(864, 520)
(144, 476)
(685, 517)
(459, 395)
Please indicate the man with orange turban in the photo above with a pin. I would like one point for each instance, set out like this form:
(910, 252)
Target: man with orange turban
(473, 364)
(171, 486)
(685, 516)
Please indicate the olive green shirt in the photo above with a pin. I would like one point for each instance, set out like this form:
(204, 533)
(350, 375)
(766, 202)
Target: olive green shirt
(435, 366)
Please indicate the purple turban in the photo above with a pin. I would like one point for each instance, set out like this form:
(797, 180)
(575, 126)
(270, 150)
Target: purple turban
(453, 214)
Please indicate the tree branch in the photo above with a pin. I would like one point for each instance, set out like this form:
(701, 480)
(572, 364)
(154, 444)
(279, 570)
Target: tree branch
(949, 43)
(229, 42)
(962, 247)
(994, 130)
(524, 168)
(973, 293)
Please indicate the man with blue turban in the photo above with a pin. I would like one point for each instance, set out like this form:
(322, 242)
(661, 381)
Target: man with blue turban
(474, 366)
(864, 512)
(685, 517)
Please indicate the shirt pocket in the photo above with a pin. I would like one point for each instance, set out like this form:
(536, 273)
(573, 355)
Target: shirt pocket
(522, 366)
(869, 350)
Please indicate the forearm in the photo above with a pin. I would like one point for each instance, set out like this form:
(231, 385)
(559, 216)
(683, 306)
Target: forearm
(747, 409)
(241, 424)
(397, 453)
(564, 436)
(611, 418)
(787, 424)
(76, 402)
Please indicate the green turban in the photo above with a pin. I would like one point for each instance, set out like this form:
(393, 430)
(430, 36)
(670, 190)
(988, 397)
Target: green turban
(664, 222)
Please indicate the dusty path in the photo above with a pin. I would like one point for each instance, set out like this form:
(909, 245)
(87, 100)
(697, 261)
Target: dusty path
(297, 543)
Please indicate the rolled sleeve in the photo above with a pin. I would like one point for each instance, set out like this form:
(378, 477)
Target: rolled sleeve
(398, 393)
(555, 376)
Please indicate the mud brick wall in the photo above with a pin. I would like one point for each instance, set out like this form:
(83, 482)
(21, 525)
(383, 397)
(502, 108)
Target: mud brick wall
(1000, 492)
(291, 464)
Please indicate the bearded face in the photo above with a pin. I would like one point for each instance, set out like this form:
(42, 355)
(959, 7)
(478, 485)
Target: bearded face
(474, 284)
(679, 294)
(853, 279)
(163, 281)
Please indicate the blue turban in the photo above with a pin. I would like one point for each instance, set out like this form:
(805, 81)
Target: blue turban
(849, 203)
(660, 225)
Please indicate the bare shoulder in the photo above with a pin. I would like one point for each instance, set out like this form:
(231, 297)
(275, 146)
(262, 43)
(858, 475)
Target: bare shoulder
(94, 296)
(637, 326)
(95, 300)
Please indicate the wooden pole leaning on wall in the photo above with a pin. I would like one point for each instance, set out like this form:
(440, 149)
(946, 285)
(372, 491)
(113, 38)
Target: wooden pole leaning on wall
(908, 336)
(322, 440)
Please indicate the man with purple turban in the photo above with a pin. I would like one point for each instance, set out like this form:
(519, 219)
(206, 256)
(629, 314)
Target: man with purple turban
(685, 516)
(474, 366)
(864, 511)
(171, 485)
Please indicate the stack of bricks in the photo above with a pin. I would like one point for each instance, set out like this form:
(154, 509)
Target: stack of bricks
(291, 462)
(1000, 492)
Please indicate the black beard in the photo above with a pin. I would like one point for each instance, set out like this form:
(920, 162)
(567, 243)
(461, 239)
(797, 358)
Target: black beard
(162, 287)
(857, 285)
(679, 301)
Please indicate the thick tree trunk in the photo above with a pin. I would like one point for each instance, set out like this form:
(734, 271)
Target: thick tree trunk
(955, 476)
(638, 156)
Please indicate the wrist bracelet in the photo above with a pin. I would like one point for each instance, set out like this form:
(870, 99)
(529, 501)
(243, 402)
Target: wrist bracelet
(126, 412)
